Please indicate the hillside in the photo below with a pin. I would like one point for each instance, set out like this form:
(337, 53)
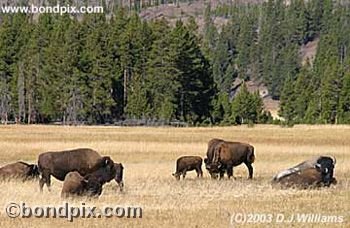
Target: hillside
(103, 69)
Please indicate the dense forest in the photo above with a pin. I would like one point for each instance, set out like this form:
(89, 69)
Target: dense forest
(100, 68)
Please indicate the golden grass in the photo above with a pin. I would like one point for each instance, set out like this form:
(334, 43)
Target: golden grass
(149, 155)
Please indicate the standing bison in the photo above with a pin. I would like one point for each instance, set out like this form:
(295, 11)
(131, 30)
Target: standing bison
(19, 170)
(227, 155)
(188, 163)
(58, 164)
(315, 172)
(210, 154)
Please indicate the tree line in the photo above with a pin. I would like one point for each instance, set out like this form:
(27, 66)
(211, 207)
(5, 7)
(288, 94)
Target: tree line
(103, 68)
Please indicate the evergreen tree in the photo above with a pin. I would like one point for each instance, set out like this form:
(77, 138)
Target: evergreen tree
(287, 110)
(344, 101)
(246, 107)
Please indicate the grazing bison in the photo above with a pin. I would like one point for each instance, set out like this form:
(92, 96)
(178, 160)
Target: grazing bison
(315, 172)
(58, 164)
(188, 163)
(76, 185)
(230, 154)
(19, 170)
(210, 154)
(119, 169)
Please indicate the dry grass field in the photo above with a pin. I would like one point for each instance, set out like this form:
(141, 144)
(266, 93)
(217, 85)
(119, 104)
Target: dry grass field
(149, 155)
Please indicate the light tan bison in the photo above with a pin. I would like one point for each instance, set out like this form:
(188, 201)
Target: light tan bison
(76, 185)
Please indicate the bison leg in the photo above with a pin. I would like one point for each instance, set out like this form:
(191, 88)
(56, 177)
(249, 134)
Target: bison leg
(45, 179)
(250, 169)
(213, 175)
(229, 171)
(222, 172)
(183, 175)
(120, 184)
(199, 172)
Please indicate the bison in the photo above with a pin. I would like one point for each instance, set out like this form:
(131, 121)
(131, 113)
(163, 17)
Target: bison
(59, 164)
(19, 170)
(230, 154)
(210, 153)
(76, 185)
(119, 169)
(188, 163)
(315, 172)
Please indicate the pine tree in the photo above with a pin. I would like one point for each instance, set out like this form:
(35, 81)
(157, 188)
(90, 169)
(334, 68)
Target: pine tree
(137, 106)
(196, 90)
(162, 74)
(331, 87)
(287, 110)
(246, 107)
(344, 101)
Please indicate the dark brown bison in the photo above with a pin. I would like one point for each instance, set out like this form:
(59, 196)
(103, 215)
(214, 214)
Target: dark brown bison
(19, 170)
(230, 154)
(210, 154)
(188, 163)
(119, 169)
(315, 172)
(58, 164)
(76, 185)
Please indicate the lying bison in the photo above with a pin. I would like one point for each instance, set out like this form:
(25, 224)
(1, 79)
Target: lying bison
(19, 170)
(188, 163)
(227, 155)
(315, 172)
(58, 164)
(76, 185)
(210, 154)
(119, 169)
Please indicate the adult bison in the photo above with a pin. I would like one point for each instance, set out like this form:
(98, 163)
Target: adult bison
(119, 171)
(188, 163)
(58, 164)
(210, 154)
(19, 170)
(227, 155)
(315, 172)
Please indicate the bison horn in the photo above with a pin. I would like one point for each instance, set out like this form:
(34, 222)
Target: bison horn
(318, 166)
(334, 160)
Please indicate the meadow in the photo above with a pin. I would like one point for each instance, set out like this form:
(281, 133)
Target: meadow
(149, 155)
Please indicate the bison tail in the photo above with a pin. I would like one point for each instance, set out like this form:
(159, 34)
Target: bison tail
(251, 156)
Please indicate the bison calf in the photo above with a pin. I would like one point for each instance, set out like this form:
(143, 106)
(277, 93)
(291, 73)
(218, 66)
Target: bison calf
(76, 185)
(91, 184)
(188, 163)
(19, 170)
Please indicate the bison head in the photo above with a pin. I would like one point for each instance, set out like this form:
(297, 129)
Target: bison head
(92, 186)
(33, 171)
(325, 165)
(176, 175)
